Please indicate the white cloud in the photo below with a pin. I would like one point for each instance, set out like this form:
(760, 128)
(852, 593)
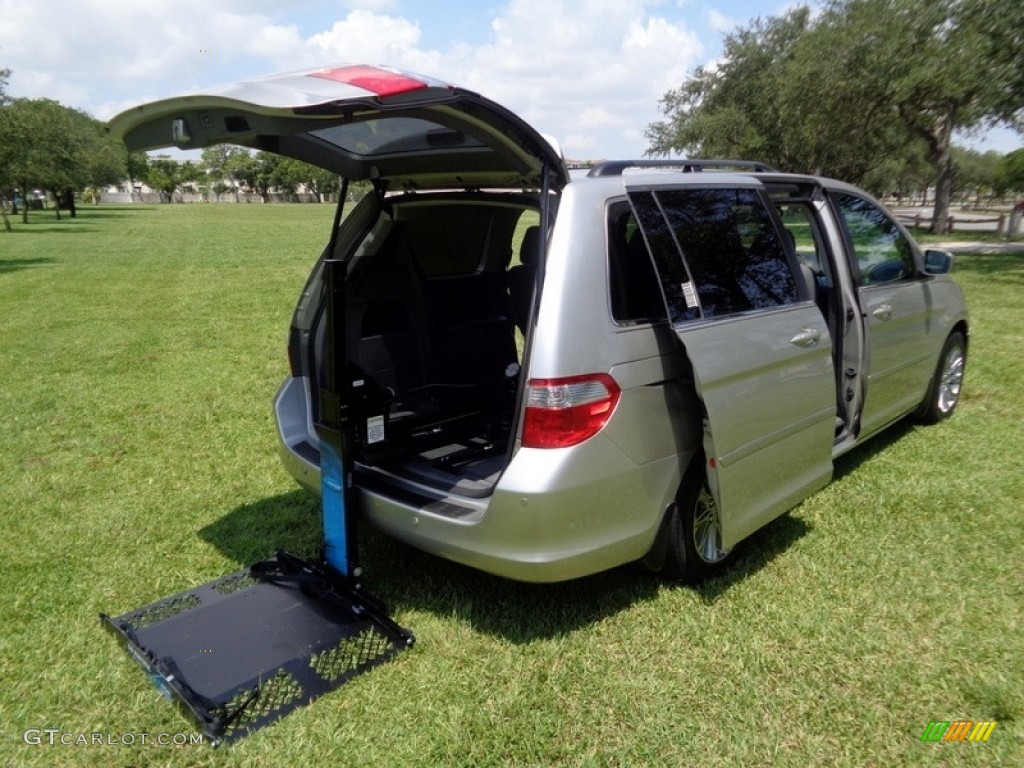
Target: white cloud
(590, 73)
(365, 36)
(106, 45)
(584, 72)
(719, 22)
(278, 42)
(594, 117)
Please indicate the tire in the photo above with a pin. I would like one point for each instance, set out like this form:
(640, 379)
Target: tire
(944, 391)
(694, 550)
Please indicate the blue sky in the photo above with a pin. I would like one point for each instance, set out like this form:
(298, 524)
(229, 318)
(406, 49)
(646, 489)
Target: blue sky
(588, 72)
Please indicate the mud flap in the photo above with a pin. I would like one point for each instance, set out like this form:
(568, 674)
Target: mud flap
(240, 652)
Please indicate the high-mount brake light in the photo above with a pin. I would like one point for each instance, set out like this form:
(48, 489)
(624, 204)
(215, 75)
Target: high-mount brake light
(565, 412)
(383, 82)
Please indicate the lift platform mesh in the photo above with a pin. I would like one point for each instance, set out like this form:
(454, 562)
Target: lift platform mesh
(240, 652)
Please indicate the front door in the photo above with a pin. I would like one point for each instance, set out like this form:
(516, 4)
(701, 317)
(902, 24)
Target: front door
(758, 345)
(895, 301)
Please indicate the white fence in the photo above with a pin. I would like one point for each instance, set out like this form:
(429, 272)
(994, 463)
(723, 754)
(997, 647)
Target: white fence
(1006, 223)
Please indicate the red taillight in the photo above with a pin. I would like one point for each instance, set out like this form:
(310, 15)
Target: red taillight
(564, 412)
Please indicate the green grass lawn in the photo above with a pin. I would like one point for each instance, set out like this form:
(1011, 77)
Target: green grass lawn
(140, 347)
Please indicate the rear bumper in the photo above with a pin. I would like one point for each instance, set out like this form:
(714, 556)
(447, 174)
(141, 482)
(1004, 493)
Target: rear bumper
(555, 514)
(298, 445)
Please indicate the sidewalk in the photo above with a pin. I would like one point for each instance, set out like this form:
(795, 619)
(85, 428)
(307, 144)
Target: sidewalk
(964, 246)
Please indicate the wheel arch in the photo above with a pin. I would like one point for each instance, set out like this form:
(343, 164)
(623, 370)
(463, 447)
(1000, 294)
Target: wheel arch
(654, 560)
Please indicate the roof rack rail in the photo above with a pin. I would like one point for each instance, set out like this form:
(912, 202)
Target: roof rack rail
(616, 167)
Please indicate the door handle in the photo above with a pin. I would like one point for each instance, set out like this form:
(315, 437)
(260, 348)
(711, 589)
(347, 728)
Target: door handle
(808, 337)
(882, 311)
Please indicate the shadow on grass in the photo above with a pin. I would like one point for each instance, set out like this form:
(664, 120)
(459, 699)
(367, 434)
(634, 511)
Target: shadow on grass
(515, 611)
(776, 537)
(112, 213)
(402, 576)
(755, 553)
(518, 612)
(852, 460)
(253, 532)
(768, 543)
(43, 224)
(50, 228)
(13, 265)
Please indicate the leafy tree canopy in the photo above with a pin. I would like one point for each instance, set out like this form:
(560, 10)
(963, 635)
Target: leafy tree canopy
(865, 83)
(167, 175)
(45, 145)
(1010, 173)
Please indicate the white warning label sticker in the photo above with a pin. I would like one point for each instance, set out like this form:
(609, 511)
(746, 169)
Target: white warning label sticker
(374, 429)
(689, 295)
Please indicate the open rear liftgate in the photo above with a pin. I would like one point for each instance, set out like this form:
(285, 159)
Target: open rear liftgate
(240, 652)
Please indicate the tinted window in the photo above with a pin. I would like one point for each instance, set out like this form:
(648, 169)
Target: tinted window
(393, 135)
(733, 257)
(881, 253)
(800, 227)
(676, 284)
(448, 240)
(632, 280)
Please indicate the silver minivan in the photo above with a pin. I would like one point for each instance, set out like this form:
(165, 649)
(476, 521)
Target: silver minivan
(551, 374)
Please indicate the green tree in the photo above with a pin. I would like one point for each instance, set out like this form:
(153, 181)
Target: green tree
(102, 162)
(167, 176)
(935, 64)
(865, 82)
(266, 171)
(769, 98)
(136, 168)
(45, 145)
(287, 176)
(320, 181)
(224, 164)
(5, 75)
(42, 144)
(257, 172)
(975, 174)
(898, 176)
(734, 109)
(1009, 176)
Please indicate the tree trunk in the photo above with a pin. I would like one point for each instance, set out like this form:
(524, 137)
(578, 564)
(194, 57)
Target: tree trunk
(946, 170)
(938, 138)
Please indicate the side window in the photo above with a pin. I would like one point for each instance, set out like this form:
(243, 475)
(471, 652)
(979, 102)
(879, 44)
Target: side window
(881, 253)
(449, 241)
(676, 284)
(632, 281)
(732, 248)
(799, 226)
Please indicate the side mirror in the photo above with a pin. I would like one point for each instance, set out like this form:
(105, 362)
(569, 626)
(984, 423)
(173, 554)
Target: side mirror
(938, 262)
